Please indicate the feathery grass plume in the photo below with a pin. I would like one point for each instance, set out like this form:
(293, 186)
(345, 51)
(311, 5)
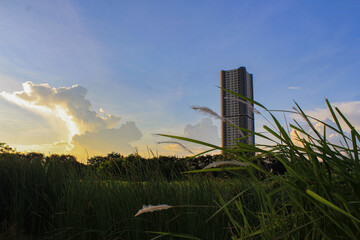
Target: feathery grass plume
(151, 208)
(181, 145)
(211, 113)
(214, 114)
(217, 164)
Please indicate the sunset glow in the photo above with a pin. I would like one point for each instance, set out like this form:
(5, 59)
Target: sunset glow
(243, 115)
(70, 123)
(46, 112)
(110, 77)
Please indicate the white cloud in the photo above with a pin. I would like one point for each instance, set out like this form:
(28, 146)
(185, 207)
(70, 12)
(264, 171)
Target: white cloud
(68, 103)
(351, 110)
(204, 131)
(331, 135)
(70, 106)
(110, 140)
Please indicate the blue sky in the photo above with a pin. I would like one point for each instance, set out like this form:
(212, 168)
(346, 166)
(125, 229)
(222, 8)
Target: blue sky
(147, 62)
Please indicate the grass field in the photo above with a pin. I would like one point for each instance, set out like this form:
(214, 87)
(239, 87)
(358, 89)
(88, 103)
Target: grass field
(317, 197)
(58, 202)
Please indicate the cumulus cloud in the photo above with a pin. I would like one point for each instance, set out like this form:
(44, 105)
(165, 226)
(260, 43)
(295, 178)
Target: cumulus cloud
(110, 140)
(86, 128)
(331, 135)
(204, 131)
(69, 103)
(350, 109)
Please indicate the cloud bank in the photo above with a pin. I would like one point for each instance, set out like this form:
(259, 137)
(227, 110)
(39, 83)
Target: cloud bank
(65, 102)
(204, 131)
(86, 128)
(109, 140)
(350, 109)
(331, 135)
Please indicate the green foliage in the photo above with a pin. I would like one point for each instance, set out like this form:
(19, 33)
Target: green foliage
(136, 168)
(312, 191)
(308, 189)
(4, 148)
(55, 197)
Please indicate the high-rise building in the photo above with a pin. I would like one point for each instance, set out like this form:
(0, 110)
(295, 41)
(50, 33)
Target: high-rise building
(236, 111)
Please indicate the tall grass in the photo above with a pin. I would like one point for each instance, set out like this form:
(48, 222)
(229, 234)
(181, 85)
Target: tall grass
(60, 201)
(319, 195)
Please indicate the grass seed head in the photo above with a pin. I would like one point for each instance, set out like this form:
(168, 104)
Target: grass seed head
(210, 112)
(151, 208)
(236, 163)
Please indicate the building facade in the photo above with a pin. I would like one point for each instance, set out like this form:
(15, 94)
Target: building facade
(235, 110)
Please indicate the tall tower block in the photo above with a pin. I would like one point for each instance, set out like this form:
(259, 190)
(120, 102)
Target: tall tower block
(239, 113)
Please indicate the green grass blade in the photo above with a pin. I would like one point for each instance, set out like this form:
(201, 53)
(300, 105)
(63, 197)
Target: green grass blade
(185, 236)
(329, 204)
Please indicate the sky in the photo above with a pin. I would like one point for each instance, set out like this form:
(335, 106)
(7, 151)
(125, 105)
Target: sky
(92, 77)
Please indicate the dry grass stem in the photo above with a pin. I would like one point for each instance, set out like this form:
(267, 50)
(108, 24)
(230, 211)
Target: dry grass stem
(217, 164)
(151, 208)
(244, 102)
(214, 114)
(180, 144)
(210, 112)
